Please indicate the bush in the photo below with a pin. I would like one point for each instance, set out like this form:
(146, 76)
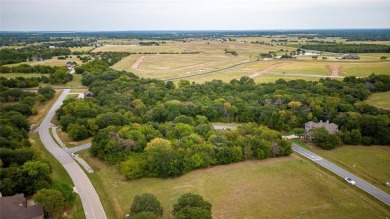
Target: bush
(146, 202)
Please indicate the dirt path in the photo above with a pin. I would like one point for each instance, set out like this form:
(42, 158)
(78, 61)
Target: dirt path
(137, 63)
(266, 70)
(335, 70)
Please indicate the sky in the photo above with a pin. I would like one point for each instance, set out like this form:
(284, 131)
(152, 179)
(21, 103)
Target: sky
(131, 15)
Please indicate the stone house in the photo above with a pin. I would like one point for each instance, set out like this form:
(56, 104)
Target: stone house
(16, 207)
(330, 127)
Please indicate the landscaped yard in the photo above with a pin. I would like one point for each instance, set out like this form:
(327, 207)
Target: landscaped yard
(273, 188)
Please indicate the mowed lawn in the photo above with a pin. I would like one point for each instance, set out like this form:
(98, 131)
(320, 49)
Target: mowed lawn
(364, 69)
(372, 163)
(273, 188)
(381, 100)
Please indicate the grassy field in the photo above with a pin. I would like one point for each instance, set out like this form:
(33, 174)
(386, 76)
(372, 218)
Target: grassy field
(82, 49)
(271, 188)
(365, 69)
(381, 100)
(369, 162)
(50, 62)
(212, 57)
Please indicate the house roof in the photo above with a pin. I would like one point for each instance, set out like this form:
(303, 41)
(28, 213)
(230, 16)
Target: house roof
(330, 127)
(14, 207)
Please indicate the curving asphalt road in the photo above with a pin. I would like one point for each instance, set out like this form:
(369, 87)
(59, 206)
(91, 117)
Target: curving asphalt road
(367, 187)
(91, 203)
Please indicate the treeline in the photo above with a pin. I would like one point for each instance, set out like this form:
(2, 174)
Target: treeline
(348, 48)
(11, 56)
(153, 43)
(24, 68)
(22, 169)
(22, 82)
(134, 120)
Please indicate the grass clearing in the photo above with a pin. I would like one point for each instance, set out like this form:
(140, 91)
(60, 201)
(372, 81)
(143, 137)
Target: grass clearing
(380, 100)
(304, 67)
(372, 163)
(68, 140)
(58, 174)
(82, 49)
(271, 188)
(50, 62)
(361, 69)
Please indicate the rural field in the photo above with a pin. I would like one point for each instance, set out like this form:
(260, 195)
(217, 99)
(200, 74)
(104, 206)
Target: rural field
(372, 163)
(271, 188)
(213, 63)
(381, 100)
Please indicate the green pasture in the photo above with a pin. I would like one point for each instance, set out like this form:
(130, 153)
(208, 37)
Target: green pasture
(271, 188)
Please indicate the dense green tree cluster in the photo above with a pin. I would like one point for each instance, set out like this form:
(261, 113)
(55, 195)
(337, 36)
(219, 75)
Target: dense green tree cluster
(173, 148)
(10, 56)
(155, 128)
(192, 206)
(348, 48)
(144, 205)
(24, 68)
(21, 169)
(60, 76)
(20, 82)
(111, 57)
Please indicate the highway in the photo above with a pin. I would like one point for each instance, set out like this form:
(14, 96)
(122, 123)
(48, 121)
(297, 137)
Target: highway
(93, 208)
(362, 184)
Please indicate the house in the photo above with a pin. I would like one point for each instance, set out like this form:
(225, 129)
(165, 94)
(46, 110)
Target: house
(88, 94)
(330, 127)
(266, 55)
(52, 47)
(351, 57)
(70, 64)
(16, 207)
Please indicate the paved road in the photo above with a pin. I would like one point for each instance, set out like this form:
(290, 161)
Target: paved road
(377, 193)
(78, 148)
(91, 203)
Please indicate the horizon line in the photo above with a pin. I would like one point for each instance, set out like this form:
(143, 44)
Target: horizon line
(198, 30)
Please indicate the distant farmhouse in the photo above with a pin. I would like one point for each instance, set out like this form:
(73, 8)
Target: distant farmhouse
(52, 47)
(16, 207)
(330, 127)
(351, 57)
(70, 64)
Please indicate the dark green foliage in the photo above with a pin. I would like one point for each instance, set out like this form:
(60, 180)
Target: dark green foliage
(10, 56)
(144, 215)
(67, 192)
(191, 206)
(52, 200)
(15, 157)
(146, 202)
(60, 76)
(322, 138)
(193, 213)
(47, 92)
(24, 68)
(348, 48)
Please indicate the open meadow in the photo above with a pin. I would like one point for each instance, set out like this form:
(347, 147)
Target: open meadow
(380, 100)
(213, 63)
(273, 188)
(372, 163)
